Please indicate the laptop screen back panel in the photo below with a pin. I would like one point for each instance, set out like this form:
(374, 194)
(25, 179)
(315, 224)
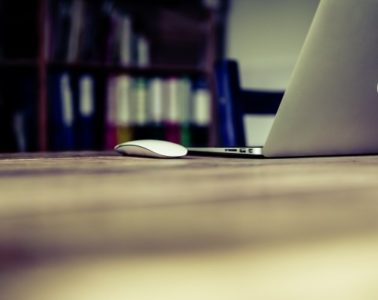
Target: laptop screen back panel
(331, 104)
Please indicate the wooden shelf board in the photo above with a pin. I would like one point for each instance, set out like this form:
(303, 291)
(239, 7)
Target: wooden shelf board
(163, 70)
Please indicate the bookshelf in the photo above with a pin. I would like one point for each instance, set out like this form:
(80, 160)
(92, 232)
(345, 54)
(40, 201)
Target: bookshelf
(82, 48)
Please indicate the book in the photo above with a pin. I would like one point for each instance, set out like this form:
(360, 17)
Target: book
(111, 114)
(86, 113)
(119, 40)
(18, 111)
(229, 104)
(26, 117)
(76, 30)
(200, 114)
(95, 31)
(155, 108)
(122, 86)
(61, 112)
(59, 20)
(140, 50)
(8, 109)
(125, 39)
(185, 105)
(138, 106)
(172, 111)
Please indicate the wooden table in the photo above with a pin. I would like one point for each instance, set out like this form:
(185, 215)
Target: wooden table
(101, 226)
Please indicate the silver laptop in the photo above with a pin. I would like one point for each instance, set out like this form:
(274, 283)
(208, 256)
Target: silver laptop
(330, 106)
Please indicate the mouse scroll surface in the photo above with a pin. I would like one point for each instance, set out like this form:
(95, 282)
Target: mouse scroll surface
(151, 148)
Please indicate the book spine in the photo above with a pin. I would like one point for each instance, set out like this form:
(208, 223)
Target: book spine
(155, 108)
(138, 108)
(125, 40)
(76, 30)
(201, 114)
(172, 111)
(26, 117)
(140, 50)
(123, 113)
(111, 113)
(67, 112)
(62, 112)
(185, 103)
(59, 16)
(86, 116)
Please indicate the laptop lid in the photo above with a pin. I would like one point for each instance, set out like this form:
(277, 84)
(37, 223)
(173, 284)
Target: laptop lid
(330, 106)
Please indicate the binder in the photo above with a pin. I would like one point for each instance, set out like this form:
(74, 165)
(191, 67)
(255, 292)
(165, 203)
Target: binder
(172, 112)
(26, 119)
(185, 104)
(111, 114)
(229, 104)
(122, 96)
(60, 27)
(138, 108)
(200, 114)
(86, 113)
(61, 112)
(76, 30)
(8, 141)
(155, 108)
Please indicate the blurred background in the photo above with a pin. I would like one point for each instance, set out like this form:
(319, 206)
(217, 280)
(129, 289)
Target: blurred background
(86, 75)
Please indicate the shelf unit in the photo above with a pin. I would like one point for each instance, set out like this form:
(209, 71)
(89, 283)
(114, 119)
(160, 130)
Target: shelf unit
(159, 15)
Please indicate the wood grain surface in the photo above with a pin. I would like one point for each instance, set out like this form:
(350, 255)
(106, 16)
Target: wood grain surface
(65, 217)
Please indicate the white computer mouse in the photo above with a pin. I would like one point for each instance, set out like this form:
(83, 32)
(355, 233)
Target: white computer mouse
(151, 148)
